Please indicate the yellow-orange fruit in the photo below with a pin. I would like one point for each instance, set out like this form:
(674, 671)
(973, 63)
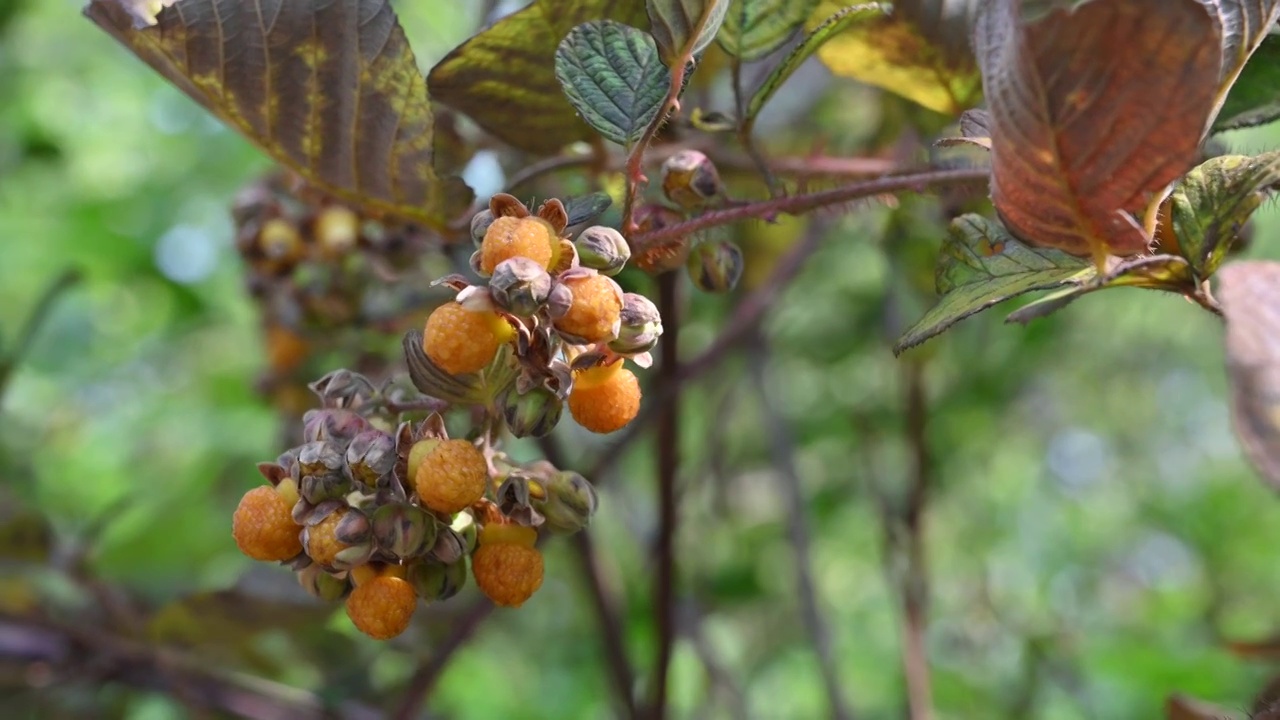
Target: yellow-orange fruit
(506, 565)
(460, 341)
(452, 476)
(263, 526)
(596, 309)
(382, 607)
(605, 399)
(509, 237)
(322, 546)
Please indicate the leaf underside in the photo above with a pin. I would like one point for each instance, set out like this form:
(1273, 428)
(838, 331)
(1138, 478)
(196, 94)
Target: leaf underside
(982, 265)
(1254, 99)
(331, 90)
(890, 52)
(684, 28)
(613, 76)
(1250, 296)
(504, 77)
(1076, 147)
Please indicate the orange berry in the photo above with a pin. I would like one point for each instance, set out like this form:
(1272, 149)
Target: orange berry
(507, 567)
(382, 607)
(322, 546)
(263, 526)
(509, 237)
(452, 476)
(460, 341)
(605, 398)
(596, 311)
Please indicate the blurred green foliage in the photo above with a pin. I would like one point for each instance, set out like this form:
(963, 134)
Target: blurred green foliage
(1093, 536)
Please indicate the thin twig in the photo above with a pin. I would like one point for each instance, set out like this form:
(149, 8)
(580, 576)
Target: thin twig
(664, 606)
(607, 612)
(433, 665)
(39, 314)
(746, 137)
(914, 586)
(549, 165)
(65, 647)
(782, 450)
(744, 320)
(796, 204)
(635, 161)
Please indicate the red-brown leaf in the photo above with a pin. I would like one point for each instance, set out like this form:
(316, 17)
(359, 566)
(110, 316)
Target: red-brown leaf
(1250, 297)
(1092, 111)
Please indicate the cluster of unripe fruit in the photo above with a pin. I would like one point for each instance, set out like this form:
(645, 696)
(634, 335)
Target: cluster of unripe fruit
(549, 328)
(388, 519)
(388, 515)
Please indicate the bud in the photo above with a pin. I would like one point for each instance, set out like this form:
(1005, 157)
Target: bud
(464, 525)
(354, 528)
(603, 248)
(329, 485)
(371, 455)
(436, 581)
(449, 547)
(690, 180)
(354, 556)
(641, 326)
(326, 424)
(403, 530)
(532, 414)
(319, 458)
(480, 223)
(279, 240)
(569, 502)
(344, 389)
(321, 584)
(715, 267)
(520, 286)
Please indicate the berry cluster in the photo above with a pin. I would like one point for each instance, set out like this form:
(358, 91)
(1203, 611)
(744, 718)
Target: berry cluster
(386, 512)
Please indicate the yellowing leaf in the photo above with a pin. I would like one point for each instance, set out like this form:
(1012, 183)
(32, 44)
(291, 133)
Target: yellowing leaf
(504, 78)
(329, 89)
(887, 51)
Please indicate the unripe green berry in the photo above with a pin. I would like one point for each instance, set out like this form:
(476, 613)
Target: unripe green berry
(532, 414)
(715, 266)
(603, 249)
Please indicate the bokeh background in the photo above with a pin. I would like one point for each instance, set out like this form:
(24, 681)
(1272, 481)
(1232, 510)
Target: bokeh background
(1094, 537)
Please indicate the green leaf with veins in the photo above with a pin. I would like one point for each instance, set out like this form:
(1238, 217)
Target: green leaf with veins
(755, 28)
(1214, 200)
(504, 78)
(1254, 99)
(981, 265)
(612, 74)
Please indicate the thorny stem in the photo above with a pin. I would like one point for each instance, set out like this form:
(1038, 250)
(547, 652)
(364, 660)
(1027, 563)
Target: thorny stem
(434, 664)
(783, 451)
(635, 161)
(607, 612)
(668, 461)
(796, 204)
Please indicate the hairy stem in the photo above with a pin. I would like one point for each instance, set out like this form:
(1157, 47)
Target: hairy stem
(796, 204)
(782, 450)
(668, 461)
(635, 161)
(746, 136)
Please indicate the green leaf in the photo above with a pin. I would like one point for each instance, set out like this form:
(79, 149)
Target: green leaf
(612, 74)
(587, 207)
(1214, 200)
(827, 29)
(981, 265)
(504, 78)
(329, 89)
(755, 28)
(1254, 99)
(1250, 297)
(684, 28)
(1170, 273)
(892, 53)
(1057, 148)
